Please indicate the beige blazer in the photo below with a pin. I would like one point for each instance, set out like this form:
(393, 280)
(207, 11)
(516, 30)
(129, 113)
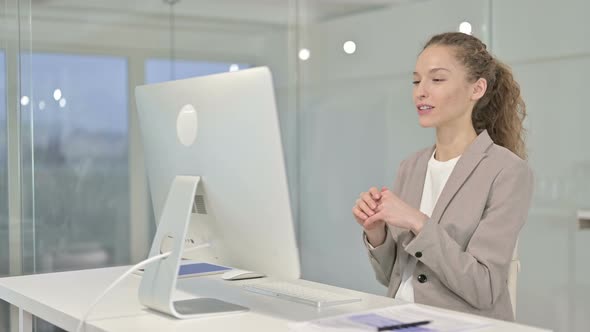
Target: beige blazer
(465, 248)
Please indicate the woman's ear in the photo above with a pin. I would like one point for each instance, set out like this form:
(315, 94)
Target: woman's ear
(479, 89)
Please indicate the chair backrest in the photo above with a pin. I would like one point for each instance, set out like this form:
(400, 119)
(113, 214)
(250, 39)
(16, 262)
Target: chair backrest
(513, 276)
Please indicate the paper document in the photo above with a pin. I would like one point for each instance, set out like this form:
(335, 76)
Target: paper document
(399, 314)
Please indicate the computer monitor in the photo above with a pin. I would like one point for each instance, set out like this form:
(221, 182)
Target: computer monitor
(219, 134)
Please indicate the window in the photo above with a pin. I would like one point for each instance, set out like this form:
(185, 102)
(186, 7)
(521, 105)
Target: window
(160, 70)
(76, 179)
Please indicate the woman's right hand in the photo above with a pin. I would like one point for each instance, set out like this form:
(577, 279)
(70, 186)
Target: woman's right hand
(364, 208)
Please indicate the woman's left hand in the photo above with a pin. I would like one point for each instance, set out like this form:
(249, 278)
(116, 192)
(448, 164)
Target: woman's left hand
(396, 212)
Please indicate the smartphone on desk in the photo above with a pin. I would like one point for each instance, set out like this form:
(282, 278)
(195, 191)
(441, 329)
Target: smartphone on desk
(196, 269)
(193, 269)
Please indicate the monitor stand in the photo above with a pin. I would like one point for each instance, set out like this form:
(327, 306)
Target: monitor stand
(159, 279)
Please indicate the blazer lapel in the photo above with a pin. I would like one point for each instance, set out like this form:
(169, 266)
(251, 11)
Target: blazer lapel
(416, 182)
(465, 166)
(413, 193)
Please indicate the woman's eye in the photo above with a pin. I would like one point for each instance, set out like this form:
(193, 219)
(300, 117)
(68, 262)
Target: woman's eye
(415, 82)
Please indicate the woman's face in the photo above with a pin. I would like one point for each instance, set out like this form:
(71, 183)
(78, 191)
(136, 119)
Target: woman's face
(442, 94)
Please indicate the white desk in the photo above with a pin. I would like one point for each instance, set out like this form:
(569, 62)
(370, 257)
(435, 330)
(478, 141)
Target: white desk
(62, 298)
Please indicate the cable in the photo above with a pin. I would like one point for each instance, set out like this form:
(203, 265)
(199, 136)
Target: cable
(126, 274)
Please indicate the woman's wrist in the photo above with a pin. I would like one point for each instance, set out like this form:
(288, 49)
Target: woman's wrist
(418, 223)
(376, 237)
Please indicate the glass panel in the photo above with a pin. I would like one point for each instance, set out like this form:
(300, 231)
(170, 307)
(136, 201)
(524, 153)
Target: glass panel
(84, 194)
(554, 287)
(80, 199)
(4, 243)
(7, 23)
(356, 123)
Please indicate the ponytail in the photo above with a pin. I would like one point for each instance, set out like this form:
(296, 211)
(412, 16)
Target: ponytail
(501, 111)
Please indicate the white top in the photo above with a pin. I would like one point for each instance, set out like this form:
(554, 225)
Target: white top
(437, 174)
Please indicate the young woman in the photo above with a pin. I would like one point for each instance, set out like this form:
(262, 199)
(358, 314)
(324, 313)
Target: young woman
(444, 234)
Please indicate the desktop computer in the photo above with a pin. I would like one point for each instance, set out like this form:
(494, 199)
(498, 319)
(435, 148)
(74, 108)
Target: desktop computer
(217, 175)
(214, 156)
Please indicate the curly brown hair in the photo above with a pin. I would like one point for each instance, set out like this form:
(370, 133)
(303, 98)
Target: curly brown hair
(501, 110)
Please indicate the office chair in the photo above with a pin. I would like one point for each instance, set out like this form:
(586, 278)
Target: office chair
(513, 271)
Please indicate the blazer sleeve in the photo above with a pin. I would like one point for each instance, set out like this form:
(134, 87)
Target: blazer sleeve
(479, 274)
(383, 257)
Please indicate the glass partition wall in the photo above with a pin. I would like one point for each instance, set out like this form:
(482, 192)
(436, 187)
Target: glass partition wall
(68, 70)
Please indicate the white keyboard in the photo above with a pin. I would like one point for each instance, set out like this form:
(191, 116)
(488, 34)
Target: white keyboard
(302, 294)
